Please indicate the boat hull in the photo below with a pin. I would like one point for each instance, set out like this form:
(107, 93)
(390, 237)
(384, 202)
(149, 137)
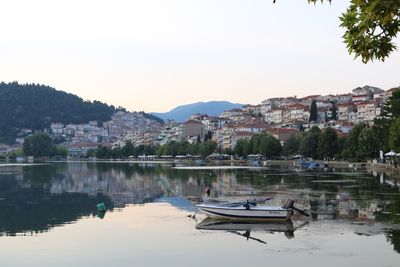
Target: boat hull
(241, 213)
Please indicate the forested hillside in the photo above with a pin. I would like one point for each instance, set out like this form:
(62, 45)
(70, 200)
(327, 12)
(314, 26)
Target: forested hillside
(35, 106)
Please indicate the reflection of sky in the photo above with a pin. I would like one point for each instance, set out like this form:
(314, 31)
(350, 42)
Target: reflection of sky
(158, 234)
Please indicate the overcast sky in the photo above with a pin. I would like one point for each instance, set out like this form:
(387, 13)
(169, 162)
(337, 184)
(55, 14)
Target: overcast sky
(153, 55)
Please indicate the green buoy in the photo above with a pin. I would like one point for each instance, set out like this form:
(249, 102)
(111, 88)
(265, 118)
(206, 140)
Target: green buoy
(101, 207)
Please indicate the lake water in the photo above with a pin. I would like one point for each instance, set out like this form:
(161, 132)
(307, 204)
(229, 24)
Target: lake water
(48, 216)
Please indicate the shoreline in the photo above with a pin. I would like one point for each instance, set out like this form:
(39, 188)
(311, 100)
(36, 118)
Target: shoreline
(372, 167)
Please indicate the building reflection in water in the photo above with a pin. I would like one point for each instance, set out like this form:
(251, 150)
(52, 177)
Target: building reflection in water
(37, 198)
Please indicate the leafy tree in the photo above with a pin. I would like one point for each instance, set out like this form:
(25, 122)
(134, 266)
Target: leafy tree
(334, 111)
(313, 111)
(116, 153)
(266, 145)
(208, 136)
(350, 150)
(394, 135)
(61, 151)
(390, 111)
(150, 116)
(149, 150)
(368, 145)
(391, 108)
(227, 151)
(128, 149)
(242, 148)
(371, 26)
(309, 143)
(269, 146)
(103, 152)
(138, 150)
(261, 143)
(328, 143)
(207, 148)
(291, 146)
(90, 153)
(39, 145)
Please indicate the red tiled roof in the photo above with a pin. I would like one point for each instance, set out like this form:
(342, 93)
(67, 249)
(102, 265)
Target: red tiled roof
(253, 125)
(192, 122)
(344, 95)
(276, 98)
(286, 130)
(244, 133)
(364, 103)
(297, 106)
(349, 104)
(310, 97)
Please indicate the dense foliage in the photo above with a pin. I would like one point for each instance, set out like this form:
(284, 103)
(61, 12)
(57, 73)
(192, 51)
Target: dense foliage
(371, 26)
(313, 112)
(334, 111)
(385, 125)
(262, 143)
(152, 117)
(364, 142)
(171, 149)
(35, 107)
(41, 145)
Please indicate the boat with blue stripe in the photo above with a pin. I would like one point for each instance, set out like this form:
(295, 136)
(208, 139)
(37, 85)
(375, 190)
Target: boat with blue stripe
(248, 210)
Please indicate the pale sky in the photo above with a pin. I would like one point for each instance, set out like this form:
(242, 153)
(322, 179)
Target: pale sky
(153, 55)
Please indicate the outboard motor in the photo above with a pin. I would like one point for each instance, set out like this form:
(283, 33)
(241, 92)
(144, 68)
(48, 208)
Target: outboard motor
(289, 204)
(247, 205)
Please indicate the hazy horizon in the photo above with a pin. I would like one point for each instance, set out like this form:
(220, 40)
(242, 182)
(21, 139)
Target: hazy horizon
(154, 55)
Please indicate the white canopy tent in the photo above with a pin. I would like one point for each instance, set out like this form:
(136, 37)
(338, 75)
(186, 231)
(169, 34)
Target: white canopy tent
(391, 154)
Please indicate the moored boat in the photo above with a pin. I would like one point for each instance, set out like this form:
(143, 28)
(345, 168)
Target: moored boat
(248, 210)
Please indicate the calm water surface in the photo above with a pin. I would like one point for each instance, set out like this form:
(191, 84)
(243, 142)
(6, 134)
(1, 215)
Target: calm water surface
(48, 217)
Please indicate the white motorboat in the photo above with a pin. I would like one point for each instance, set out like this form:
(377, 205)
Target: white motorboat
(248, 210)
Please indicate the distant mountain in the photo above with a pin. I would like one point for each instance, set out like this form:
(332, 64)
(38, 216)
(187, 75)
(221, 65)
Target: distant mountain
(36, 106)
(182, 113)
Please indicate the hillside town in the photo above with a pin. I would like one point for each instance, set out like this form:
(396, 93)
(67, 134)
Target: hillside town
(281, 117)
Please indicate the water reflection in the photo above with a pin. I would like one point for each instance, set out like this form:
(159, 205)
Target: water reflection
(36, 198)
(245, 228)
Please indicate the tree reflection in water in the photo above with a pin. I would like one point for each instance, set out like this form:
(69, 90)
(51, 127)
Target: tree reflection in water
(36, 198)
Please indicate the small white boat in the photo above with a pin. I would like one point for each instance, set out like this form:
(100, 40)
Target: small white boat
(247, 211)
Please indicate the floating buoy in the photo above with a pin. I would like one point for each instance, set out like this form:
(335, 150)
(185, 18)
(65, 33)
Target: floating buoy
(101, 207)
